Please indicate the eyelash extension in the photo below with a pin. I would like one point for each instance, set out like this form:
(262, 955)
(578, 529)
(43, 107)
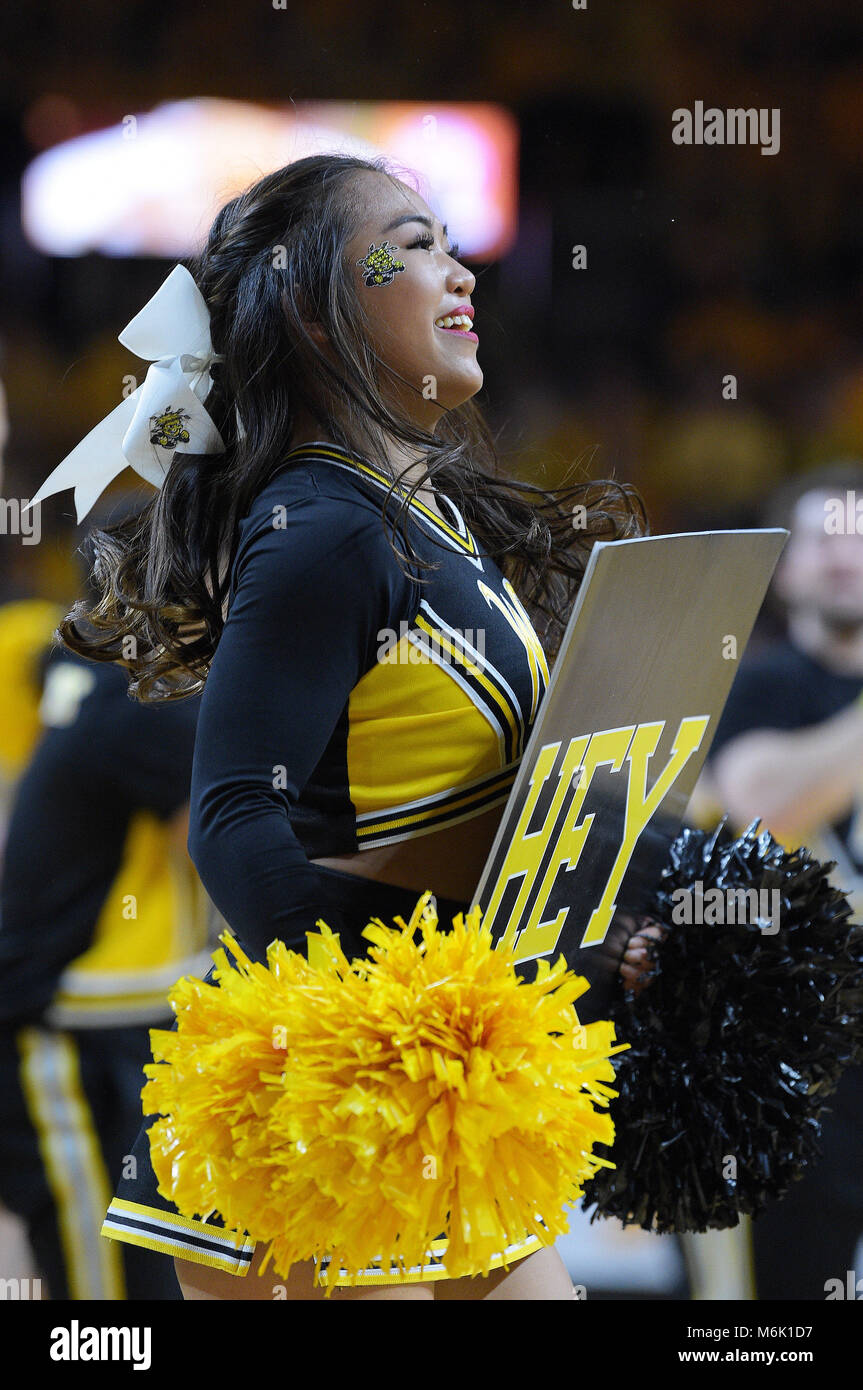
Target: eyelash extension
(428, 242)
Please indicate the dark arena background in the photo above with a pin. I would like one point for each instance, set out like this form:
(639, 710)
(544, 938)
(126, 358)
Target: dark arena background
(662, 204)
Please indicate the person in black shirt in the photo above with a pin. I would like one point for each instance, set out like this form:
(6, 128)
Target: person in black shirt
(101, 910)
(789, 749)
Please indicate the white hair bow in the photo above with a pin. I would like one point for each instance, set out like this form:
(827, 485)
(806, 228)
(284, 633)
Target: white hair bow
(165, 413)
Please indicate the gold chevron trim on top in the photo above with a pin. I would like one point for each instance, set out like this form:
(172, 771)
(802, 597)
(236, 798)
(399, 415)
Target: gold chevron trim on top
(342, 457)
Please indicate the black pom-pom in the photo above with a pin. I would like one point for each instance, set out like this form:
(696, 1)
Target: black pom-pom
(738, 1039)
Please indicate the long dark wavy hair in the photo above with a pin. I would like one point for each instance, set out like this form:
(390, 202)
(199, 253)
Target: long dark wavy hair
(275, 258)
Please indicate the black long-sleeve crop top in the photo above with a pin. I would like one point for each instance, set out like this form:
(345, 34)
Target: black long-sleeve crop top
(348, 705)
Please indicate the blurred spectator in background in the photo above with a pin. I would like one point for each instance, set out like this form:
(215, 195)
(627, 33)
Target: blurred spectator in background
(789, 749)
(100, 912)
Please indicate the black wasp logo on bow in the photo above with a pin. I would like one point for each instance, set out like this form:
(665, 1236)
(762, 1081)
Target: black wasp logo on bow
(167, 429)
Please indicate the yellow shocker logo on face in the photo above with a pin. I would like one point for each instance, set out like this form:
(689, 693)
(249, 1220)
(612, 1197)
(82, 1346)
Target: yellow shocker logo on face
(380, 265)
(633, 744)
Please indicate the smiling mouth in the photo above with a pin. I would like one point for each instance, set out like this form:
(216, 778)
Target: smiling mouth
(460, 324)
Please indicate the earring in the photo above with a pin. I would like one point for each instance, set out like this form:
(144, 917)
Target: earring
(379, 265)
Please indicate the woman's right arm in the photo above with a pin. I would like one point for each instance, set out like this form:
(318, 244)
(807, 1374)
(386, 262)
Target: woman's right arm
(314, 586)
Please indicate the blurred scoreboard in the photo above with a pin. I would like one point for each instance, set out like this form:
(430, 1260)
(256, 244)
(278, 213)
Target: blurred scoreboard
(150, 184)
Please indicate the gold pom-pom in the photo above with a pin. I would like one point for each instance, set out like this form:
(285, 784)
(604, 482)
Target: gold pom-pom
(364, 1109)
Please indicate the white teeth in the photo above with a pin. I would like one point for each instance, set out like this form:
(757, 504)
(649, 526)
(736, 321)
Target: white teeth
(455, 321)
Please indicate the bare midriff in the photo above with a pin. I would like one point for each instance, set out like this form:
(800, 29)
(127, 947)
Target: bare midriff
(447, 861)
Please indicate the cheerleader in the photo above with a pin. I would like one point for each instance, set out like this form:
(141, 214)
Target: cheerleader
(369, 608)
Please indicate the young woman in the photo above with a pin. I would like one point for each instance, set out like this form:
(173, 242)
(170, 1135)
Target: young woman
(355, 589)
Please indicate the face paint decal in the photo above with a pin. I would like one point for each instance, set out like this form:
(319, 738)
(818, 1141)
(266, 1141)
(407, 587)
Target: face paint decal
(379, 264)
